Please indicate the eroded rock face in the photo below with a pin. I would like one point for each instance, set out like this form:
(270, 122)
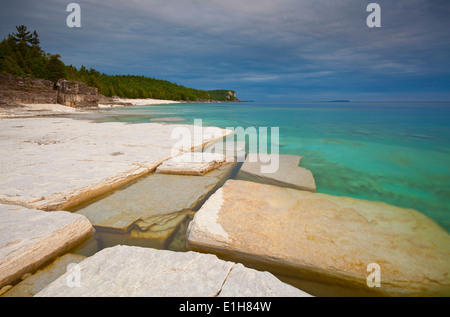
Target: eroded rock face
(77, 94)
(40, 91)
(324, 243)
(26, 90)
(56, 163)
(289, 173)
(29, 238)
(134, 272)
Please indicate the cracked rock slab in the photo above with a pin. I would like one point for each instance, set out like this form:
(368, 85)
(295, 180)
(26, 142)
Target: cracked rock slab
(127, 271)
(29, 238)
(324, 243)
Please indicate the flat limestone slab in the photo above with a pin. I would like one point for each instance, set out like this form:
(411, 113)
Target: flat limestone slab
(136, 272)
(29, 238)
(34, 110)
(193, 163)
(39, 280)
(55, 163)
(324, 243)
(289, 174)
(152, 208)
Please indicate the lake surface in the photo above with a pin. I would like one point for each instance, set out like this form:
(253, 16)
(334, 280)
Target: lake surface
(398, 153)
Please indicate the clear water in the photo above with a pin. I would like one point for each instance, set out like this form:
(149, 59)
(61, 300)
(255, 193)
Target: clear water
(398, 153)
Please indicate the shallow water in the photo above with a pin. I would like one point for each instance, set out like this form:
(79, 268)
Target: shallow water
(398, 153)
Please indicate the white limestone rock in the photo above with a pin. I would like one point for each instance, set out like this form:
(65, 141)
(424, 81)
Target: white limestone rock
(29, 238)
(245, 282)
(324, 244)
(137, 272)
(55, 163)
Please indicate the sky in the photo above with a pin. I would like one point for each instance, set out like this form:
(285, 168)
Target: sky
(289, 50)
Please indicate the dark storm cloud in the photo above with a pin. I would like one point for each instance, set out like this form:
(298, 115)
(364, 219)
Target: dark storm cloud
(291, 49)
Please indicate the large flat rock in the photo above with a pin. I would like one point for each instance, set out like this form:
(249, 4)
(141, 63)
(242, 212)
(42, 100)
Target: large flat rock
(34, 110)
(29, 238)
(324, 243)
(288, 174)
(55, 163)
(148, 212)
(136, 272)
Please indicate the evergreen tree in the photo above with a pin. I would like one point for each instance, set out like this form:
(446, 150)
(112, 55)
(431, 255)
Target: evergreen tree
(22, 34)
(35, 40)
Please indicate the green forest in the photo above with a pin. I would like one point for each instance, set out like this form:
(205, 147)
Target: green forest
(22, 56)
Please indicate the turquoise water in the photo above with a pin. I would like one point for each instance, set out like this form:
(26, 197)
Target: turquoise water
(398, 153)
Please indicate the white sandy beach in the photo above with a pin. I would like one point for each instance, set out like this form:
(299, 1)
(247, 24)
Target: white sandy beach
(138, 102)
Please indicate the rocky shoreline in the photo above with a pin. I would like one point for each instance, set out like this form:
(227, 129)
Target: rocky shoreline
(24, 90)
(108, 197)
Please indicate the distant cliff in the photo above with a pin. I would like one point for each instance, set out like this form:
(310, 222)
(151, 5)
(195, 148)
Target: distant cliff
(223, 95)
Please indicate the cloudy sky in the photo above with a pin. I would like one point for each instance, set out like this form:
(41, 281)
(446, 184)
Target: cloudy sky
(263, 49)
